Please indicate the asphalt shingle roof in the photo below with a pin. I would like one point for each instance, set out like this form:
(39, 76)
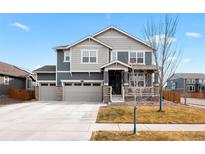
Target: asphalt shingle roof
(11, 70)
(46, 68)
(188, 76)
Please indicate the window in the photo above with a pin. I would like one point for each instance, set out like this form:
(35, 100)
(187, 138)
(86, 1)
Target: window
(44, 84)
(28, 83)
(77, 84)
(136, 57)
(133, 58)
(173, 85)
(190, 81)
(52, 84)
(87, 84)
(96, 84)
(6, 80)
(140, 57)
(89, 56)
(137, 80)
(68, 84)
(113, 55)
(190, 88)
(66, 56)
(201, 81)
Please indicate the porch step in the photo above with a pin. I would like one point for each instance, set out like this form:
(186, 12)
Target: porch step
(116, 99)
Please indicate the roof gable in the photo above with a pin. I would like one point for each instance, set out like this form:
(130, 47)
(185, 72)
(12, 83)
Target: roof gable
(124, 33)
(116, 62)
(84, 39)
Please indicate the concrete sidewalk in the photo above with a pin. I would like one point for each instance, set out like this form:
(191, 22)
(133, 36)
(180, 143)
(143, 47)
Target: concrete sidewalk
(148, 127)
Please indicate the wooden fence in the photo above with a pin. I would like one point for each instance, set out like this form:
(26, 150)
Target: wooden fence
(21, 94)
(172, 96)
(196, 95)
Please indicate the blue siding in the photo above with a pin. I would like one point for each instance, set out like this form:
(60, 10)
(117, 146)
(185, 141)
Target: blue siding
(61, 65)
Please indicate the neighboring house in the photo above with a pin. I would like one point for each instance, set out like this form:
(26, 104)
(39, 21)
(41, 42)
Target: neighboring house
(14, 77)
(187, 82)
(99, 68)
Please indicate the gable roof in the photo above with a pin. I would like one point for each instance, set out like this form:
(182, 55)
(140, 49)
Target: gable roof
(114, 62)
(188, 76)
(46, 68)
(125, 33)
(11, 70)
(75, 43)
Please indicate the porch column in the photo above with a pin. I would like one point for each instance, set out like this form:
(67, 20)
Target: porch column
(106, 78)
(125, 77)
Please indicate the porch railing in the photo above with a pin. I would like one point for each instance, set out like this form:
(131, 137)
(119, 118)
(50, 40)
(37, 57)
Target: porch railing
(141, 91)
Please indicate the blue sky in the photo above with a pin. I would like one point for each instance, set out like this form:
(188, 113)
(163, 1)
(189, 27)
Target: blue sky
(26, 40)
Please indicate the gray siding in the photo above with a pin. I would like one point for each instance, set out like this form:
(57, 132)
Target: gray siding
(148, 58)
(46, 76)
(123, 56)
(119, 41)
(17, 83)
(79, 76)
(102, 59)
(179, 84)
(61, 65)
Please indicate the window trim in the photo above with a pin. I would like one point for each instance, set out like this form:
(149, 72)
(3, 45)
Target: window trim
(138, 51)
(193, 88)
(6, 78)
(136, 74)
(89, 50)
(65, 55)
(29, 79)
(114, 51)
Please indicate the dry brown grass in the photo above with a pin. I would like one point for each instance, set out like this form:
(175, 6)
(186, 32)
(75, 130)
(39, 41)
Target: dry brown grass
(148, 136)
(149, 115)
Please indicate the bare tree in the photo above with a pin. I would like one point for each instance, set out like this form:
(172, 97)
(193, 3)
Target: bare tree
(140, 91)
(161, 37)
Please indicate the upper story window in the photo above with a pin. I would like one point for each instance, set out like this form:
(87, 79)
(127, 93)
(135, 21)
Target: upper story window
(190, 81)
(89, 56)
(6, 80)
(66, 56)
(113, 55)
(201, 81)
(137, 57)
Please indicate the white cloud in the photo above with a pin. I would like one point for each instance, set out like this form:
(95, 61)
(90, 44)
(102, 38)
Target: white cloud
(161, 37)
(193, 34)
(171, 58)
(21, 26)
(186, 60)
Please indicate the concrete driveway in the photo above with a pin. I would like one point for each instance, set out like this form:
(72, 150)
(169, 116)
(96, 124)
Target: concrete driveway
(47, 121)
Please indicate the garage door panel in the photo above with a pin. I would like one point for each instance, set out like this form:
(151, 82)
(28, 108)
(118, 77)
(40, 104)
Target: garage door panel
(47, 93)
(83, 93)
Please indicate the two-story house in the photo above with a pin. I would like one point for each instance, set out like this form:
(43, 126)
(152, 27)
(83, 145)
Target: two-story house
(102, 67)
(187, 82)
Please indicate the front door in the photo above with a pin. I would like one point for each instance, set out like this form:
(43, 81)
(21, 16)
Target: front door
(115, 79)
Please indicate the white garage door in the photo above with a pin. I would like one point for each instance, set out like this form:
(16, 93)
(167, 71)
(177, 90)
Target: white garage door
(85, 93)
(47, 93)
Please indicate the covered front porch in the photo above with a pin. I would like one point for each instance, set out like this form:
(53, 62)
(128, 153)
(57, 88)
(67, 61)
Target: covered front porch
(122, 82)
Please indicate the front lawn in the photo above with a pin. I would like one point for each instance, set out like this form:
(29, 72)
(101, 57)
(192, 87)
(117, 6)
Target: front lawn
(148, 136)
(149, 115)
